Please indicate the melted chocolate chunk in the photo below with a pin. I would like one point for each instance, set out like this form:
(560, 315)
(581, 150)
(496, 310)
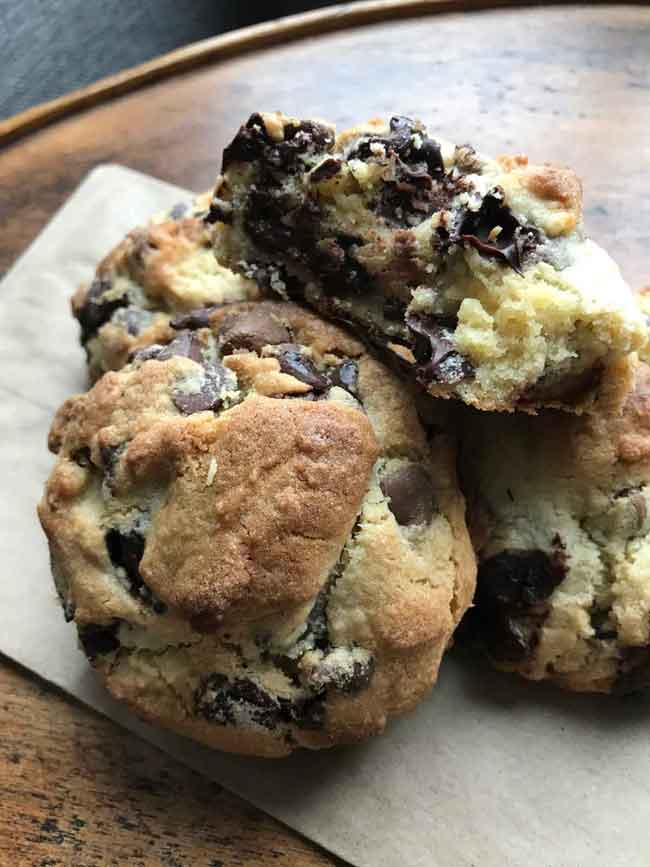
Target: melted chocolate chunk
(409, 490)
(96, 310)
(125, 551)
(199, 318)
(219, 700)
(326, 170)
(510, 604)
(433, 348)
(346, 375)
(521, 579)
(209, 395)
(98, 640)
(415, 183)
(253, 142)
(358, 678)
(511, 244)
(294, 361)
(252, 331)
(82, 457)
(187, 345)
(279, 223)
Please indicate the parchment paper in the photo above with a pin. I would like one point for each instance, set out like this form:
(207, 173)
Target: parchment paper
(490, 771)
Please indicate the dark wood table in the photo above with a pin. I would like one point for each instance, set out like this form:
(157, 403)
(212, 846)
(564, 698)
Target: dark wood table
(562, 83)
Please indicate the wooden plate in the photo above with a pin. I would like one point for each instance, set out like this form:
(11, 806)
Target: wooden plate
(563, 83)
(570, 84)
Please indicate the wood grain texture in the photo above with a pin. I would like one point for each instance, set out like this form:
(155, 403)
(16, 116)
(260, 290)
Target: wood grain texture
(76, 790)
(221, 47)
(570, 84)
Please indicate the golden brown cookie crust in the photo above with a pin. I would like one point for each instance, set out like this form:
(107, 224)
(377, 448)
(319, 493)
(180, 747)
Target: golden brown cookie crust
(240, 575)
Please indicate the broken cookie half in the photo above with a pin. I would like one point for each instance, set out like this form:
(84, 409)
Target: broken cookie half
(473, 273)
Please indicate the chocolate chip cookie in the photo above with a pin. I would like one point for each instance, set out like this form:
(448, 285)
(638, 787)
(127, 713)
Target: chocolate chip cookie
(474, 271)
(258, 544)
(559, 510)
(159, 270)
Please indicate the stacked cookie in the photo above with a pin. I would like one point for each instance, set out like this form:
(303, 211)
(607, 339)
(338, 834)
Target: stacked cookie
(254, 518)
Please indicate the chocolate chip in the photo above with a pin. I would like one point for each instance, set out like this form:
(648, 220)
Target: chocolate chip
(219, 212)
(346, 375)
(179, 211)
(186, 345)
(351, 681)
(296, 363)
(199, 318)
(409, 490)
(510, 606)
(82, 457)
(513, 242)
(253, 142)
(125, 551)
(252, 331)
(98, 640)
(521, 579)
(326, 170)
(210, 394)
(434, 351)
(96, 310)
(218, 700)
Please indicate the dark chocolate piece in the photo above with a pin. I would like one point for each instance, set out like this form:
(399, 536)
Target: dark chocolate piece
(209, 396)
(99, 639)
(346, 375)
(294, 361)
(82, 457)
(125, 551)
(186, 344)
(513, 242)
(251, 331)
(218, 699)
(96, 310)
(409, 490)
(510, 606)
(252, 142)
(199, 318)
(434, 351)
(326, 170)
